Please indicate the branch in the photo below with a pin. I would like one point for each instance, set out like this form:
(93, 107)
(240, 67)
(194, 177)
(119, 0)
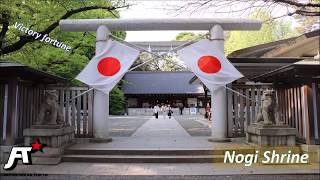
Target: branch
(297, 4)
(114, 14)
(307, 13)
(24, 39)
(278, 17)
(5, 25)
(311, 8)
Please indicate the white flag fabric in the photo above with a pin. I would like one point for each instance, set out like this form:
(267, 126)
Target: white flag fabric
(106, 69)
(209, 64)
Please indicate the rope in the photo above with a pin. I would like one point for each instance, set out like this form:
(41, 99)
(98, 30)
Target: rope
(68, 101)
(147, 51)
(158, 56)
(234, 91)
(162, 57)
(154, 54)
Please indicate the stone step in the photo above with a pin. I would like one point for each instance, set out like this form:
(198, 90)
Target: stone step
(143, 159)
(173, 152)
(104, 155)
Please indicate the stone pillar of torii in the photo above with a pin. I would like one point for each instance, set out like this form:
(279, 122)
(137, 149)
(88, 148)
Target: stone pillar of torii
(216, 26)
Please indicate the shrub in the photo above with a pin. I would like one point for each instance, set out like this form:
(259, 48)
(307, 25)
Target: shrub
(117, 101)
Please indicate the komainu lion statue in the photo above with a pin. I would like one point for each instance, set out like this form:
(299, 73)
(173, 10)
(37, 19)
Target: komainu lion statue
(268, 113)
(50, 113)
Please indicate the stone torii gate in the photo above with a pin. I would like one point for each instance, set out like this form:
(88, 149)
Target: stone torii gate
(215, 26)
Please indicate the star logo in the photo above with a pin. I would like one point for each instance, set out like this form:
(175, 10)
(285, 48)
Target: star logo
(37, 146)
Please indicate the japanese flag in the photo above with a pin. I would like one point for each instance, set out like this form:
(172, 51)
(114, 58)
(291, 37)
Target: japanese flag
(209, 64)
(106, 69)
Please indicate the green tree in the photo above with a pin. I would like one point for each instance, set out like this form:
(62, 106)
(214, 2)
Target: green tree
(43, 17)
(117, 101)
(167, 62)
(141, 63)
(148, 62)
(187, 36)
(270, 31)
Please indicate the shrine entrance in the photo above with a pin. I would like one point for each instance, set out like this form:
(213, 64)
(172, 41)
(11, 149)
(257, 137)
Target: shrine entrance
(103, 27)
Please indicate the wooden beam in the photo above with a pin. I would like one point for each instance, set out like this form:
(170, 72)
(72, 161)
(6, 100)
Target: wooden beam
(230, 113)
(2, 108)
(315, 95)
(11, 112)
(305, 114)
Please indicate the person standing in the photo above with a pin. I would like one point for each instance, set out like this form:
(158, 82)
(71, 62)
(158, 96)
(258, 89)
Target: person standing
(156, 111)
(208, 111)
(181, 108)
(169, 111)
(164, 110)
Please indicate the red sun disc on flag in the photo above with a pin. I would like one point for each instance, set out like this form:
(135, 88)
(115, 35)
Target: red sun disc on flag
(109, 66)
(209, 64)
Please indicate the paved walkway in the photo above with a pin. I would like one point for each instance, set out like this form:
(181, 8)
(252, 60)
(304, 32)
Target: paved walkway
(125, 126)
(162, 127)
(159, 134)
(195, 125)
(155, 134)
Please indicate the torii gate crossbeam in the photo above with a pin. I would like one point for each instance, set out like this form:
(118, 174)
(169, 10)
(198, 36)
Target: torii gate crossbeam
(216, 26)
(184, 24)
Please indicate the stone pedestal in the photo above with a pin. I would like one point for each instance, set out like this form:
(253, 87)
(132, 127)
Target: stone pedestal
(56, 138)
(271, 135)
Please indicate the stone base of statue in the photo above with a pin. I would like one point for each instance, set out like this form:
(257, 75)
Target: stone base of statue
(56, 138)
(271, 135)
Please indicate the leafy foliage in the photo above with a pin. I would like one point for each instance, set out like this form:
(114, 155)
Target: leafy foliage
(39, 15)
(117, 101)
(153, 63)
(187, 36)
(270, 31)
